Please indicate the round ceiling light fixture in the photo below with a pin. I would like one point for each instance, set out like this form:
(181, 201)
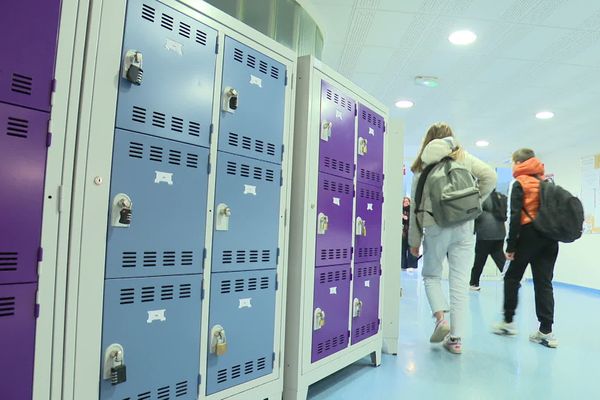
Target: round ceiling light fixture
(427, 81)
(404, 104)
(544, 115)
(462, 38)
(482, 143)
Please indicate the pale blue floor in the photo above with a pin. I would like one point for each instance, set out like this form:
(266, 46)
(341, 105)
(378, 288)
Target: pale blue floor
(491, 367)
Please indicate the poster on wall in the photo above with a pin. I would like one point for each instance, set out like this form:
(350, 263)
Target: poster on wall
(590, 193)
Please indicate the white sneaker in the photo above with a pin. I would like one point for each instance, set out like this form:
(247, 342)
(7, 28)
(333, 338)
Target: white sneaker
(474, 288)
(442, 329)
(545, 339)
(505, 328)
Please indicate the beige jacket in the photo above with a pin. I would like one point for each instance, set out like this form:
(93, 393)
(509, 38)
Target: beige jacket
(434, 152)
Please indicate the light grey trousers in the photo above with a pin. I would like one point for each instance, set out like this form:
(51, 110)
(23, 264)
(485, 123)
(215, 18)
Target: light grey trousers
(458, 245)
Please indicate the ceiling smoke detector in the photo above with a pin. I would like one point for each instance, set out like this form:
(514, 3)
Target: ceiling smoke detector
(427, 81)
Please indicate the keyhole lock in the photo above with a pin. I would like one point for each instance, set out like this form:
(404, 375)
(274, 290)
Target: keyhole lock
(132, 67)
(230, 100)
(357, 308)
(218, 342)
(115, 370)
(362, 146)
(319, 319)
(223, 215)
(122, 211)
(326, 130)
(323, 224)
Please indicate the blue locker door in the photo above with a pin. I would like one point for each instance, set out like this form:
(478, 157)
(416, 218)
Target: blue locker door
(248, 238)
(174, 100)
(255, 127)
(243, 304)
(157, 322)
(167, 184)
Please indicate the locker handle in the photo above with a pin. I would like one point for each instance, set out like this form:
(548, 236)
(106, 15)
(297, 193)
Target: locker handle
(357, 308)
(318, 319)
(362, 146)
(223, 215)
(132, 67)
(218, 340)
(326, 130)
(323, 224)
(361, 227)
(230, 100)
(122, 211)
(114, 364)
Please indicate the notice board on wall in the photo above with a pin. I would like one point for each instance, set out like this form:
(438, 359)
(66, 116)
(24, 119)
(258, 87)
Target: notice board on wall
(590, 192)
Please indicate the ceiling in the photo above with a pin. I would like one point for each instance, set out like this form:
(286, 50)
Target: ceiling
(530, 55)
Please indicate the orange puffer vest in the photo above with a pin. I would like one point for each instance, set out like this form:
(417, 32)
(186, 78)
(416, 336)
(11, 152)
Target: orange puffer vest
(527, 173)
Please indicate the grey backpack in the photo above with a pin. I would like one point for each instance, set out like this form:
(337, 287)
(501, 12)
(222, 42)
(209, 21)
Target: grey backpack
(455, 196)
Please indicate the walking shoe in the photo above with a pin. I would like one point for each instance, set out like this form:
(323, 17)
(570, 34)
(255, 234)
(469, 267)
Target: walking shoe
(442, 329)
(453, 345)
(474, 288)
(505, 328)
(545, 339)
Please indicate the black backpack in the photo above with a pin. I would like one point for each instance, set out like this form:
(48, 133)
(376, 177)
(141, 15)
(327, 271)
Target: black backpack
(499, 206)
(560, 216)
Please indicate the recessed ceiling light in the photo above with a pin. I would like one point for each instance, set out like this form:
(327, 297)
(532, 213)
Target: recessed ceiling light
(427, 81)
(482, 143)
(544, 115)
(462, 38)
(404, 104)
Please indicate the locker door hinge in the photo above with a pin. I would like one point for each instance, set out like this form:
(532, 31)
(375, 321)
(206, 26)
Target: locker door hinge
(282, 151)
(273, 362)
(286, 77)
(202, 290)
(281, 178)
(348, 335)
(276, 282)
(211, 129)
(208, 168)
(378, 321)
(203, 259)
(380, 270)
(40, 254)
(217, 45)
(278, 251)
(355, 110)
(49, 139)
(36, 311)
(351, 251)
(351, 276)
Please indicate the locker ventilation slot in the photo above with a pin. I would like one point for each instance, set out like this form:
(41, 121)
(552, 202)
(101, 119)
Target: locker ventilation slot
(369, 252)
(337, 165)
(158, 154)
(17, 127)
(243, 256)
(21, 84)
(161, 120)
(148, 12)
(372, 119)
(333, 186)
(246, 171)
(149, 294)
(249, 144)
(370, 176)
(370, 194)
(163, 393)
(334, 254)
(243, 285)
(371, 270)
(366, 329)
(166, 22)
(201, 37)
(9, 261)
(129, 259)
(236, 371)
(330, 344)
(7, 306)
(184, 30)
(181, 389)
(253, 62)
(340, 100)
(333, 276)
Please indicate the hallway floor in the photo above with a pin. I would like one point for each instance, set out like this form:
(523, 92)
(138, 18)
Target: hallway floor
(491, 367)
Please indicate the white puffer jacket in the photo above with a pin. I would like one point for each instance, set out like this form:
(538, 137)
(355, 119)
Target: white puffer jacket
(434, 152)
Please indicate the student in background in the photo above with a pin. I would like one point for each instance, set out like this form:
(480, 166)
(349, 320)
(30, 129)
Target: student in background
(408, 260)
(490, 231)
(524, 246)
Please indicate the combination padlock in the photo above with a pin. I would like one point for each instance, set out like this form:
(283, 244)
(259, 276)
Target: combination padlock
(132, 68)
(118, 370)
(218, 341)
(125, 216)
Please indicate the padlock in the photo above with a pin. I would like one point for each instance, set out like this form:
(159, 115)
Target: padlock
(357, 308)
(125, 217)
(326, 130)
(132, 67)
(319, 319)
(230, 100)
(323, 224)
(221, 347)
(114, 365)
(362, 146)
(218, 341)
(122, 211)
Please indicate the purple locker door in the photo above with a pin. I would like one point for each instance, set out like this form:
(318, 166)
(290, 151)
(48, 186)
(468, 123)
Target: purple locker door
(23, 135)
(371, 130)
(369, 201)
(29, 29)
(334, 220)
(17, 340)
(332, 297)
(365, 304)
(336, 132)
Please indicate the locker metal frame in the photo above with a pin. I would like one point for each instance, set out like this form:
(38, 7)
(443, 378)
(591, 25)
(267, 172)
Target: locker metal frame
(301, 372)
(91, 188)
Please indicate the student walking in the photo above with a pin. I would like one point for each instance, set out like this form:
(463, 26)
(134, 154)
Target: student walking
(525, 245)
(490, 232)
(456, 242)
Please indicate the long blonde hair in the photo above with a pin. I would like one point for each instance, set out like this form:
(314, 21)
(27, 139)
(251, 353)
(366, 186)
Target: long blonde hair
(436, 131)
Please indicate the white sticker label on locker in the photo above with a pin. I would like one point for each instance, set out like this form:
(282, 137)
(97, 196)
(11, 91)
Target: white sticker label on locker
(367, 283)
(250, 189)
(371, 132)
(166, 177)
(336, 201)
(246, 303)
(333, 290)
(156, 315)
(338, 114)
(255, 80)
(174, 46)
(369, 206)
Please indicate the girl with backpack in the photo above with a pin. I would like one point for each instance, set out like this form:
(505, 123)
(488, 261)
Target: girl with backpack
(456, 243)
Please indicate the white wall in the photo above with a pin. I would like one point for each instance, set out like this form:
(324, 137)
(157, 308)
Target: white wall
(578, 263)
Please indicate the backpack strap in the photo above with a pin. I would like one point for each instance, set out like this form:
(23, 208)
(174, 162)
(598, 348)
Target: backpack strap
(419, 193)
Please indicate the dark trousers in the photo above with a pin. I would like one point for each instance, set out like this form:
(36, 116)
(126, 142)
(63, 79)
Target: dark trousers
(483, 249)
(408, 260)
(541, 253)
